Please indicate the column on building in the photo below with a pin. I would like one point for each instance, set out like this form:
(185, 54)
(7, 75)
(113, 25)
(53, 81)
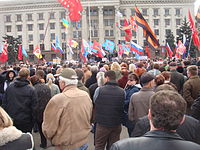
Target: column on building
(162, 28)
(101, 25)
(84, 24)
(117, 31)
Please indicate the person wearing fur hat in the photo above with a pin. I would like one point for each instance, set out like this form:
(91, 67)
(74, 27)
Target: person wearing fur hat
(67, 115)
(10, 137)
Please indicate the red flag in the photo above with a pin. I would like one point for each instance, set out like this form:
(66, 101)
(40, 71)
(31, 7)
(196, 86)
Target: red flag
(148, 52)
(74, 7)
(194, 31)
(20, 56)
(133, 23)
(97, 46)
(169, 51)
(4, 54)
(128, 31)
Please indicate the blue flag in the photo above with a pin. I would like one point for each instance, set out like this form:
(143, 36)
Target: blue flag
(109, 46)
(24, 52)
(58, 45)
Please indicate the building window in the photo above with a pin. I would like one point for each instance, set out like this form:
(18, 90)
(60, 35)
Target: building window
(134, 34)
(30, 27)
(76, 24)
(41, 26)
(31, 47)
(61, 26)
(62, 15)
(53, 56)
(30, 37)
(52, 25)
(20, 37)
(156, 31)
(94, 23)
(63, 36)
(178, 11)
(166, 12)
(93, 12)
(155, 12)
(167, 31)
(19, 28)
(77, 34)
(31, 58)
(19, 17)
(94, 33)
(144, 11)
(109, 33)
(8, 28)
(167, 22)
(156, 22)
(108, 12)
(41, 16)
(8, 18)
(53, 36)
(41, 37)
(108, 22)
(178, 32)
(178, 22)
(132, 12)
(122, 33)
(52, 15)
(42, 47)
(29, 17)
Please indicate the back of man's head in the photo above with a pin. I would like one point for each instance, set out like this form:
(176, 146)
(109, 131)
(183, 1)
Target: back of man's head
(111, 75)
(24, 73)
(167, 109)
(79, 73)
(193, 70)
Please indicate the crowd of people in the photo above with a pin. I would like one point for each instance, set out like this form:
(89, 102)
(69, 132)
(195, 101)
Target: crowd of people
(157, 101)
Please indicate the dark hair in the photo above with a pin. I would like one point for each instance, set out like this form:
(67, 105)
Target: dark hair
(156, 66)
(166, 75)
(110, 74)
(165, 86)
(167, 109)
(79, 73)
(40, 74)
(34, 80)
(134, 76)
(159, 80)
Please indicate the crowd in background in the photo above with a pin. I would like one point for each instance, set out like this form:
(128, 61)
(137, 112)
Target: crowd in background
(119, 91)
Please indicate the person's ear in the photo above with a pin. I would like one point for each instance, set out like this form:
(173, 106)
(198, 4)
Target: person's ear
(182, 121)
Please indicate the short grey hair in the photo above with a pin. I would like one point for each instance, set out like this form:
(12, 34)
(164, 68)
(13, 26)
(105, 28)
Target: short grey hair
(100, 78)
(68, 81)
(94, 69)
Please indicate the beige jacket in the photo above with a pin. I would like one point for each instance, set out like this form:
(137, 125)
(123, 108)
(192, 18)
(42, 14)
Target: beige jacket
(67, 119)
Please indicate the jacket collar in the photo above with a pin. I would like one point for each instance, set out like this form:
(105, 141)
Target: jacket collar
(69, 87)
(163, 134)
(9, 134)
(112, 82)
(194, 77)
(146, 89)
(80, 84)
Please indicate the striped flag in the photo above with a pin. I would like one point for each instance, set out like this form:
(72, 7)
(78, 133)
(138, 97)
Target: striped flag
(148, 33)
(65, 23)
(136, 48)
(37, 52)
(169, 51)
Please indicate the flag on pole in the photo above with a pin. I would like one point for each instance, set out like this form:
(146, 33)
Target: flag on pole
(181, 49)
(169, 51)
(58, 47)
(24, 52)
(72, 43)
(194, 31)
(53, 47)
(147, 51)
(148, 33)
(109, 46)
(65, 23)
(133, 23)
(20, 57)
(136, 48)
(4, 54)
(128, 35)
(37, 52)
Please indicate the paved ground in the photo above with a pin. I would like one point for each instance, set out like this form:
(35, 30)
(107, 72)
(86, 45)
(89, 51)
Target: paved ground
(36, 136)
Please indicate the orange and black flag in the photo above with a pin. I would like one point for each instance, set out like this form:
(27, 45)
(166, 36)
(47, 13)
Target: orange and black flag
(198, 14)
(148, 33)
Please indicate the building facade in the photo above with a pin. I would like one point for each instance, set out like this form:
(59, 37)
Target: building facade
(39, 22)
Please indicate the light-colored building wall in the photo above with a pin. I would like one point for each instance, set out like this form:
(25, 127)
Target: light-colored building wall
(102, 15)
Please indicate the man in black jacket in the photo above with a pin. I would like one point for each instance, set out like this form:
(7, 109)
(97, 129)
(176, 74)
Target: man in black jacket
(166, 113)
(109, 106)
(20, 100)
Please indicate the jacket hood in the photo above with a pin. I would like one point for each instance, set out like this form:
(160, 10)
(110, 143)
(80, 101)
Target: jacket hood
(7, 75)
(20, 82)
(9, 134)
